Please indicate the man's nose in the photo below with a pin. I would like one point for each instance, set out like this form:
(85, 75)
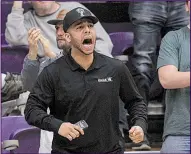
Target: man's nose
(87, 29)
(60, 32)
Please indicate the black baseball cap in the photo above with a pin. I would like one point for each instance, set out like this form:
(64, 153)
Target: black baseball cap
(59, 18)
(77, 14)
(54, 21)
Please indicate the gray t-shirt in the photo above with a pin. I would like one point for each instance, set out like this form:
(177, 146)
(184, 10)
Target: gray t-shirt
(175, 50)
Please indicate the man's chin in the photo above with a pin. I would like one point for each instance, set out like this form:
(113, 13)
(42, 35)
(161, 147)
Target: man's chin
(62, 46)
(89, 52)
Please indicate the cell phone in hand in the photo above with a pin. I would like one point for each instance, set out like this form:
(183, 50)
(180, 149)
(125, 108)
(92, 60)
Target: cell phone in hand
(82, 124)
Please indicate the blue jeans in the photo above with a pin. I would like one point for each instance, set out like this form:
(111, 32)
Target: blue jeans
(148, 19)
(176, 144)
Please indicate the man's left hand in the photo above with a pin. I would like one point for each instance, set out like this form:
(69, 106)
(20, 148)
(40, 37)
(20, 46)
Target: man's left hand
(46, 45)
(136, 134)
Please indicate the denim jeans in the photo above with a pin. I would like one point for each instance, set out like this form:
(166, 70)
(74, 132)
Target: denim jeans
(176, 144)
(148, 19)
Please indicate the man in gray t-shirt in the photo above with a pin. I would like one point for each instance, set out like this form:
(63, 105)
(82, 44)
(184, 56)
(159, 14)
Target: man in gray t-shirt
(174, 75)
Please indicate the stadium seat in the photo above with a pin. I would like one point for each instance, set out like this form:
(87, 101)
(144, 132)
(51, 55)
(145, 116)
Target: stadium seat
(121, 42)
(10, 124)
(26, 140)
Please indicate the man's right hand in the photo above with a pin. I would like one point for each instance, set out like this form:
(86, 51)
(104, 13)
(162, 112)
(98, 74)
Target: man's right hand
(33, 37)
(17, 4)
(70, 131)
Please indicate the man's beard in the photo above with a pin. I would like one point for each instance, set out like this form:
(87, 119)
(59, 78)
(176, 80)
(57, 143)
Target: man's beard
(79, 48)
(65, 47)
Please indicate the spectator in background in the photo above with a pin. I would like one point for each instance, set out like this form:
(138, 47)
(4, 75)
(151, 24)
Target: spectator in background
(174, 75)
(148, 18)
(76, 99)
(31, 64)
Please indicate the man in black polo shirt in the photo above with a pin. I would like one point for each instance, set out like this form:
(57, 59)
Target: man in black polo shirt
(85, 85)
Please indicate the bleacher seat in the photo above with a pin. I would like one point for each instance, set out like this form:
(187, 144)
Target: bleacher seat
(121, 42)
(28, 141)
(10, 124)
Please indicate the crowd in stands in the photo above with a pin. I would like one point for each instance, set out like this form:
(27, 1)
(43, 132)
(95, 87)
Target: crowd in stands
(158, 68)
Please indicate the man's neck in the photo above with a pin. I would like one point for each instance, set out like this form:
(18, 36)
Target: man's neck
(83, 60)
(53, 9)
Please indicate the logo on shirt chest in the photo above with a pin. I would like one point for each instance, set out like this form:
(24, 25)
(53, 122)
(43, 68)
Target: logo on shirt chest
(108, 79)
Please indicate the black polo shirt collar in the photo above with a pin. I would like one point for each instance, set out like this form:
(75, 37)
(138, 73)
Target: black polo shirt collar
(98, 62)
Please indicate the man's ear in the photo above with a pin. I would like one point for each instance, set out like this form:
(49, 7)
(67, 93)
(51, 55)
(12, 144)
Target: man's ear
(68, 37)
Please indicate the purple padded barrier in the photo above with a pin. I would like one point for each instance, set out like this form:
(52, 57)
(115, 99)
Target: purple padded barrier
(121, 41)
(29, 140)
(12, 58)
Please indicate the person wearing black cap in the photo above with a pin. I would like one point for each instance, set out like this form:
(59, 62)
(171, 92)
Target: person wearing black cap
(85, 85)
(32, 67)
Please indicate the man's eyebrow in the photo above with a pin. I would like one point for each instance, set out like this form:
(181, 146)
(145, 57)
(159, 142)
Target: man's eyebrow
(81, 22)
(78, 23)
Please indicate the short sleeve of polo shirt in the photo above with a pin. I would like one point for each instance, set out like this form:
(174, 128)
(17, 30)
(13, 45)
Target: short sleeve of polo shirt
(168, 54)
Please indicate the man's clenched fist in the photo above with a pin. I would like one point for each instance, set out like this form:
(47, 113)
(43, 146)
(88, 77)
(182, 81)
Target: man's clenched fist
(136, 134)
